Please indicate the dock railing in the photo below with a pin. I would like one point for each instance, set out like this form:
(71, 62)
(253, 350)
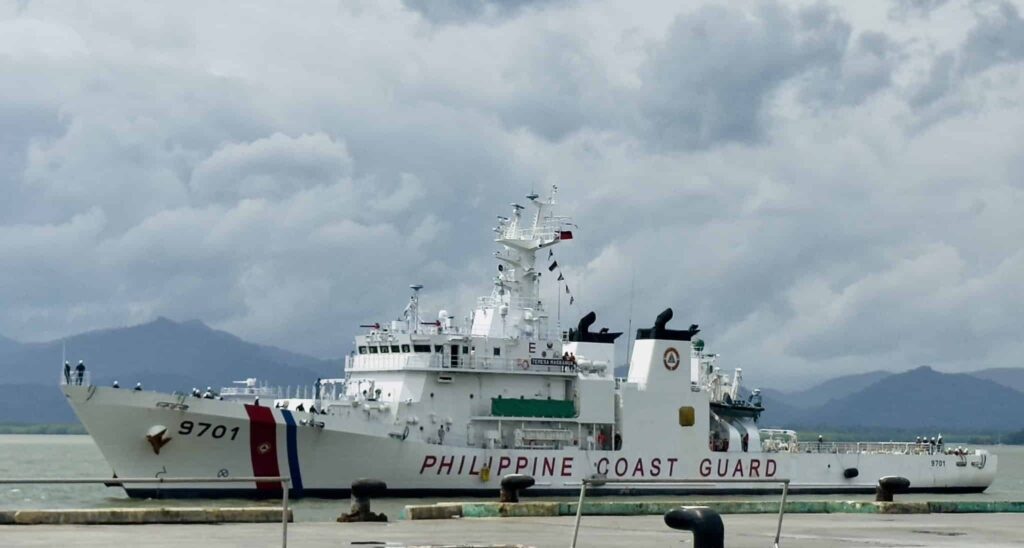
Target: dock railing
(285, 481)
(598, 482)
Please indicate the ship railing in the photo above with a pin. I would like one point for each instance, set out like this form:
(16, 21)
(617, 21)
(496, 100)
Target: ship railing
(386, 362)
(75, 380)
(543, 231)
(598, 482)
(285, 482)
(881, 447)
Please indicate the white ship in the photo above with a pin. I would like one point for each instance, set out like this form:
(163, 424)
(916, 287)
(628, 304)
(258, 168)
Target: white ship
(433, 408)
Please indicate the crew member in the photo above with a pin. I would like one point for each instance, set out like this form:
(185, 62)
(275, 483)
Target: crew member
(138, 387)
(115, 385)
(67, 373)
(80, 372)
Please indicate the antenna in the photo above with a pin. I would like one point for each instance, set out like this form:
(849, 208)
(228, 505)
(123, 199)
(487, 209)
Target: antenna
(629, 330)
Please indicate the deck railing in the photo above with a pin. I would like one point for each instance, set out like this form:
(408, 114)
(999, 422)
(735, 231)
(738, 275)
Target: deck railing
(387, 362)
(285, 481)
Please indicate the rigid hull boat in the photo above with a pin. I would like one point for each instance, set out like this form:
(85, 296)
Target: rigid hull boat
(436, 409)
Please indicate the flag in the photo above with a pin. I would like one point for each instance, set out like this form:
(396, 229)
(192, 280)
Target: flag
(565, 235)
(560, 277)
(553, 266)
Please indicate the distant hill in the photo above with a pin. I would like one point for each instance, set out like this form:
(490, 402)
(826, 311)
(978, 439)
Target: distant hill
(925, 399)
(831, 389)
(162, 354)
(1011, 377)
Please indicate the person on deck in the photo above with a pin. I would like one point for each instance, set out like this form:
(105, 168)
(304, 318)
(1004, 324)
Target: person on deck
(67, 373)
(80, 372)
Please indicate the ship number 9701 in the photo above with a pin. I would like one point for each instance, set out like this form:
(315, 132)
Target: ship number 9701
(200, 429)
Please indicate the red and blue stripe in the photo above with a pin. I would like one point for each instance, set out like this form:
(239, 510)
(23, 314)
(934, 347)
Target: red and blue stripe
(263, 447)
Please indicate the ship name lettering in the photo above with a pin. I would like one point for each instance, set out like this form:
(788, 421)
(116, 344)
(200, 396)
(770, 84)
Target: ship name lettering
(545, 466)
(640, 467)
(740, 468)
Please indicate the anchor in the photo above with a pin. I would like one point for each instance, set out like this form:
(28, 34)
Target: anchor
(157, 437)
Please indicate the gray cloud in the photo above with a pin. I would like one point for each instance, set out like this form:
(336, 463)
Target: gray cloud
(710, 80)
(902, 9)
(997, 38)
(285, 174)
(461, 11)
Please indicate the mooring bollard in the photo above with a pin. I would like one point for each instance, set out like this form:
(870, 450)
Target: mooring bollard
(890, 485)
(362, 490)
(512, 484)
(705, 523)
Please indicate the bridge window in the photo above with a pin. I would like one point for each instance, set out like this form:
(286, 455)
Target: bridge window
(497, 351)
(438, 348)
(394, 348)
(421, 348)
(362, 350)
(405, 348)
(373, 350)
(383, 349)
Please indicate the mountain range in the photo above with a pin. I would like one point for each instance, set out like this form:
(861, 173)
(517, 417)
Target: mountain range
(920, 399)
(168, 355)
(162, 354)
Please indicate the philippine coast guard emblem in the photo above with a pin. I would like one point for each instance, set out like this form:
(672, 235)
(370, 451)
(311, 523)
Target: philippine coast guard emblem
(263, 448)
(671, 359)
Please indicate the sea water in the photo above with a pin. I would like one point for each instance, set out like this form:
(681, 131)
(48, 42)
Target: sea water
(41, 456)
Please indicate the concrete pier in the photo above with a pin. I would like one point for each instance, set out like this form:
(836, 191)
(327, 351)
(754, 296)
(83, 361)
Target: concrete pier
(140, 516)
(651, 508)
(741, 531)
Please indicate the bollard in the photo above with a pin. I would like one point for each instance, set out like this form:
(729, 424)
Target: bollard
(705, 523)
(362, 490)
(512, 484)
(890, 485)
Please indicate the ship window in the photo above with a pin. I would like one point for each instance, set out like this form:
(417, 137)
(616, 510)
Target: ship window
(362, 350)
(686, 416)
(373, 350)
(394, 348)
(497, 351)
(438, 348)
(383, 349)
(421, 348)
(465, 350)
(405, 348)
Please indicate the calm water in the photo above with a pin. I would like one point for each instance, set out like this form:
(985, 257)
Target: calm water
(77, 456)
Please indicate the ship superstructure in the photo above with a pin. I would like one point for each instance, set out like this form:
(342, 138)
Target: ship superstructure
(434, 407)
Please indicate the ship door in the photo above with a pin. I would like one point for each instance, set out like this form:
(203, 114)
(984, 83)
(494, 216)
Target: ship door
(455, 356)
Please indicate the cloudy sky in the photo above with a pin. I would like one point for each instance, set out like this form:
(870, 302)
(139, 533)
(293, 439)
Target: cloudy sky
(824, 187)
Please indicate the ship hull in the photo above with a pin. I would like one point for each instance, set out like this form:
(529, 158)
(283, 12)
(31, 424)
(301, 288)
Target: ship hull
(210, 438)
